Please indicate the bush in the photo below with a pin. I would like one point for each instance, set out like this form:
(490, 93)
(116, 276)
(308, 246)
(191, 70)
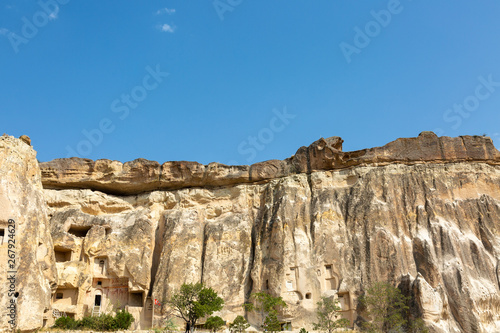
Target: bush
(86, 322)
(239, 324)
(66, 323)
(105, 322)
(124, 319)
(214, 323)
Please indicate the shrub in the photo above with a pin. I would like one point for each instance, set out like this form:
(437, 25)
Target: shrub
(86, 322)
(124, 319)
(66, 323)
(239, 325)
(214, 323)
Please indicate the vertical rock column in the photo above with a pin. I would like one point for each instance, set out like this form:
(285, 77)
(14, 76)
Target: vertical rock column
(22, 204)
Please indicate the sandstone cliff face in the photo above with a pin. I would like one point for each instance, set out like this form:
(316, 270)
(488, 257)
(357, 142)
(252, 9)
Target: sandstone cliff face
(22, 200)
(421, 213)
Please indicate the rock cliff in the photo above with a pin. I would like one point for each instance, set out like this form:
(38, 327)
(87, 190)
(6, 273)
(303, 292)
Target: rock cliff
(421, 213)
(27, 268)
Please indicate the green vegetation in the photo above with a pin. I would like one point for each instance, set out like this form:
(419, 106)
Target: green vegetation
(169, 325)
(389, 311)
(417, 326)
(268, 307)
(105, 322)
(214, 323)
(195, 301)
(239, 325)
(328, 316)
(124, 319)
(271, 323)
(66, 322)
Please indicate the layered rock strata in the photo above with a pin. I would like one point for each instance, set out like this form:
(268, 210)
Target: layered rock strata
(141, 175)
(421, 213)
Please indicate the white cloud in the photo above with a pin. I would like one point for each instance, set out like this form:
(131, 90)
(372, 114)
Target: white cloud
(166, 28)
(53, 16)
(168, 11)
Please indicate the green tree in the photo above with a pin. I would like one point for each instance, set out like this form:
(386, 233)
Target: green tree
(386, 306)
(328, 316)
(271, 323)
(214, 323)
(239, 324)
(266, 305)
(194, 301)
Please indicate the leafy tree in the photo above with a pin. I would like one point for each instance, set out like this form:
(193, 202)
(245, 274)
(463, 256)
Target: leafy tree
(214, 323)
(303, 330)
(266, 305)
(328, 316)
(194, 301)
(386, 305)
(239, 324)
(271, 323)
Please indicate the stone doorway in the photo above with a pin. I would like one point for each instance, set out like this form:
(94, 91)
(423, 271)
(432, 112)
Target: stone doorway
(97, 301)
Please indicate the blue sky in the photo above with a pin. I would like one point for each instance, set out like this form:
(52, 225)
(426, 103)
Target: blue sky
(239, 81)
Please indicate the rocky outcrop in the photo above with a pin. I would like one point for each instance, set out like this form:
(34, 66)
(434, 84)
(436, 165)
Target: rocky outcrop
(31, 262)
(141, 175)
(421, 213)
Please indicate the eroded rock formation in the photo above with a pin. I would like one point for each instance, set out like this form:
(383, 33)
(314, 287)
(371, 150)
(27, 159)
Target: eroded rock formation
(29, 267)
(421, 213)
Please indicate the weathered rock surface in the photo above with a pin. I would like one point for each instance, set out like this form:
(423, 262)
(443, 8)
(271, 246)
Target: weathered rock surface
(22, 200)
(141, 175)
(420, 212)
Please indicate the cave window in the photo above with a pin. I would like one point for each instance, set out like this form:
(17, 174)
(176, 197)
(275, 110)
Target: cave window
(59, 296)
(344, 301)
(99, 283)
(308, 296)
(136, 299)
(287, 326)
(2, 235)
(62, 254)
(267, 284)
(79, 231)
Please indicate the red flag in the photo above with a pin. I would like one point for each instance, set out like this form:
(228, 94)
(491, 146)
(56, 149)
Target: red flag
(156, 302)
